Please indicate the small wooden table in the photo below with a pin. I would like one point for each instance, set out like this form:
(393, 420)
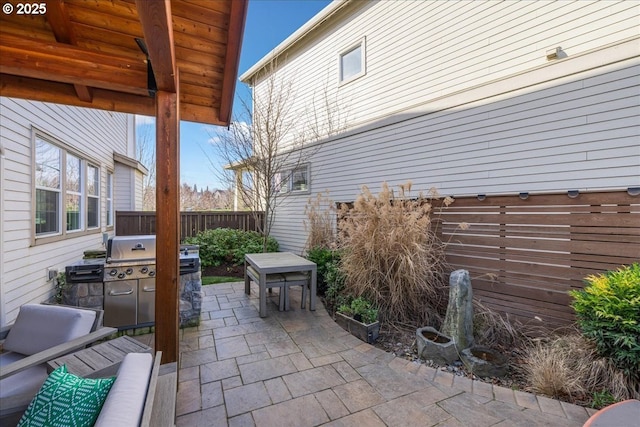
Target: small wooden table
(101, 360)
(278, 262)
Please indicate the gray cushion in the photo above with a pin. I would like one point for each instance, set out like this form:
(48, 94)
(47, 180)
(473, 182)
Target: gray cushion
(39, 327)
(125, 401)
(26, 382)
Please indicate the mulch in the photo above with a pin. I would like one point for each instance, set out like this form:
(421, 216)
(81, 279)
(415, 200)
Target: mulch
(226, 270)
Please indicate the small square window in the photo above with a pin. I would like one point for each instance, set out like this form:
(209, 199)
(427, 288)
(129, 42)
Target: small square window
(352, 62)
(293, 180)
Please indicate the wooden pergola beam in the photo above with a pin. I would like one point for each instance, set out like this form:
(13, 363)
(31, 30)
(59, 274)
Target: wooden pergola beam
(167, 224)
(63, 93)
(157, 26)
(232, 58)
(71, 64)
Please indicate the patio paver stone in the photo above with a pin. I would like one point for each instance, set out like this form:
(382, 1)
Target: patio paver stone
(299, 368)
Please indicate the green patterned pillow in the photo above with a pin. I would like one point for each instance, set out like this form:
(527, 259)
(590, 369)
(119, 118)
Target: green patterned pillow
(66, 400)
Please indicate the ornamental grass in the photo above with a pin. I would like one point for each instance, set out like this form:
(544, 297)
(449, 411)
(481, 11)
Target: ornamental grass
(392, 255)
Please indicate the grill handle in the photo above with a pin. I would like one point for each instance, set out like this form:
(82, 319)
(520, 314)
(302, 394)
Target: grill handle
(116, 294)
(148, 289)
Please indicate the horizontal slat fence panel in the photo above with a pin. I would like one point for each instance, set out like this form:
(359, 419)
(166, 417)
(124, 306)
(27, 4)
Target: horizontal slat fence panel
(524, 255)
(130, 223)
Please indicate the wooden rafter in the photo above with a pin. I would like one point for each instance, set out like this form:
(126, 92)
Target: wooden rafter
(58, 19)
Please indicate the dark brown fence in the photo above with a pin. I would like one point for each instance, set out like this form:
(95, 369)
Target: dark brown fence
(525, 254)
(191, 223)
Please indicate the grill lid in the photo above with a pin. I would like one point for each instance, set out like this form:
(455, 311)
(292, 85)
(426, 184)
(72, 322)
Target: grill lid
(131, 248)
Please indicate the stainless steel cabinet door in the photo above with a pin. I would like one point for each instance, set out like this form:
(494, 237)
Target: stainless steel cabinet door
(146, 300)
(120, 303)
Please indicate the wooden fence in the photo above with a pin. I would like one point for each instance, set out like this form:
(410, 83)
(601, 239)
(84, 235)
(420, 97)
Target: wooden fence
(525, 253)
(191, 223)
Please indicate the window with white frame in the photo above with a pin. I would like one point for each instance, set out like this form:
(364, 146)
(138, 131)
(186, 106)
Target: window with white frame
(73, 193)
(48, 180)
(109, 195)
(294, 180)
(93, 196)
(352, 62)
(67, 190)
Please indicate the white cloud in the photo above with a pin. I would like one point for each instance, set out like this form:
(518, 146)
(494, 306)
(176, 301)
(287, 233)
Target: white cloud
(144, 120)
(217, 133)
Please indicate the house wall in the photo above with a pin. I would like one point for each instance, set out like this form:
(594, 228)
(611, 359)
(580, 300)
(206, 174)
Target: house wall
(24, 261)
(578, 131)
(418, 53)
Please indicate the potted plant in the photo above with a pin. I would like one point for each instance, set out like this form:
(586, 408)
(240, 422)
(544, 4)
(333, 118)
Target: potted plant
(359, 318)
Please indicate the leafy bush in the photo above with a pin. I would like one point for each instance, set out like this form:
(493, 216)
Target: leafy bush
(227, 245)
(361, 310)
(334, 277)
(392, 256)
(323, 258)
(608, 311)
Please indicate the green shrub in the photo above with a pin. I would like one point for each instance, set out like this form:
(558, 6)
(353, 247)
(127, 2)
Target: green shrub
(335, 279)
(361, 310)
(608, 311)
(227, 245)
(323, 258)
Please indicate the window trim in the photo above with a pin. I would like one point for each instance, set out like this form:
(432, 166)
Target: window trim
(363, 61)
(62, 233)
(109, 200)
(88, 196)
(286, 177)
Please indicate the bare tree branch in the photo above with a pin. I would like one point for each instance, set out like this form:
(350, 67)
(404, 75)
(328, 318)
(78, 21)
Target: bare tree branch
(265, 144)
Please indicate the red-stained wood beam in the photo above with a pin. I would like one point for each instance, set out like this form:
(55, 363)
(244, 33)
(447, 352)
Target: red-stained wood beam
(58, 19)
(64, 93)
(63, 63)
(157, 27)
(237, 19)
(167, 223)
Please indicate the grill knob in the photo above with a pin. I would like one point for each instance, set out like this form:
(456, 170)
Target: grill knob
(144, 270)
(121, 276)
(113, 272)
(152, 273)
(129, 271)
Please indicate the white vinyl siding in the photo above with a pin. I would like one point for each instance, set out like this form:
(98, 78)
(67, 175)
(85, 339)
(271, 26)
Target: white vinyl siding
(420, 51)
(25, 263)
(580, 132)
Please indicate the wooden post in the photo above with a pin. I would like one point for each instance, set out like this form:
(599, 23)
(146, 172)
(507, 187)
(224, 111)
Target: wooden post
(167, 223)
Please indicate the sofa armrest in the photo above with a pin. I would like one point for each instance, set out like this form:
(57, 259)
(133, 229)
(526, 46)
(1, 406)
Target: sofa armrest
(160, 404)
(56, 351)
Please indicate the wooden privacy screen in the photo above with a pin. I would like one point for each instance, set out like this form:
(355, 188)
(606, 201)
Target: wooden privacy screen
(129, 223)
(524, 255)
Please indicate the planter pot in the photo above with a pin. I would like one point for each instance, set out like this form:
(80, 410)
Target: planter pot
(367, 333)
(432, 345)
(484, 362)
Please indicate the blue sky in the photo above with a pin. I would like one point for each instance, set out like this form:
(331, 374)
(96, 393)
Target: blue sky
(268, 23)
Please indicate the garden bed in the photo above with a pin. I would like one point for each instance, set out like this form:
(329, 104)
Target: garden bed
(225, 270)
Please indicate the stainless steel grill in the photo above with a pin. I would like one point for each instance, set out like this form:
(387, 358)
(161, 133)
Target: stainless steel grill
(123, 283)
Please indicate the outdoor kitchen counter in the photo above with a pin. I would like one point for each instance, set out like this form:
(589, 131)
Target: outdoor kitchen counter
(275, 263)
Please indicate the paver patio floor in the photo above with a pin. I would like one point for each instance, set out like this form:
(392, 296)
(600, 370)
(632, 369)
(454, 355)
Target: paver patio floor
(299, 368)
